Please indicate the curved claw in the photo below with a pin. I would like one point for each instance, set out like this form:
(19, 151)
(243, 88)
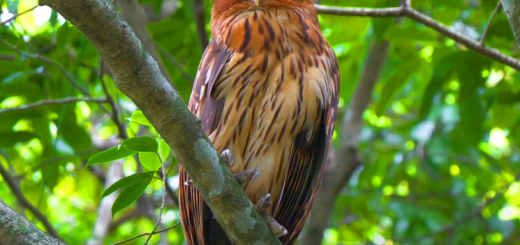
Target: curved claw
(262, 205)
(246, 176)
(277, 229)
(226, 154)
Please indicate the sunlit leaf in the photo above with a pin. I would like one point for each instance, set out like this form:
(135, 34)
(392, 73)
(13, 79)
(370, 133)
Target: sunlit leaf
(150, 160)
(142, 144)
(110, 155)
(396, 81)
(138, 117)
(165, 150)
(129, 195)
(128, 181)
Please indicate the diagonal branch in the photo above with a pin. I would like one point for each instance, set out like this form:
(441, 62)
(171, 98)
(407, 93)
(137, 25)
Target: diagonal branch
(137, 75)
(15, 229)
(15, 189)
(413, 14)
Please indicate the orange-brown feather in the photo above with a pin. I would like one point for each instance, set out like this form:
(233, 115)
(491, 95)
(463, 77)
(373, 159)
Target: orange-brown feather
(267, 89)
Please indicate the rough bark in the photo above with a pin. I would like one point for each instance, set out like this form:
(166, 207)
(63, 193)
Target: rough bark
(15, 229)
(17, 192)
(137, 75)
(346, 159)
(512, 9)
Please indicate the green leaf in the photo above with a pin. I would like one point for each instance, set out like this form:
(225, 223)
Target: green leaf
(150, 160)
(142, 144)
(503, 115)
(9, 139)
(395, 82)
(138, 117)
(165, 149)
(110, 155)
(128, 181)
(469, 131)
(443, 70)
(74, 134)
(470, 74)
(129, 195)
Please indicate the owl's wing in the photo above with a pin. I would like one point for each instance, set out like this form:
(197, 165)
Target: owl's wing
(208, 110)
(308, 155)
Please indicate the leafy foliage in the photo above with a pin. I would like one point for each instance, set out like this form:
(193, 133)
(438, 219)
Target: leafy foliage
(440, 139)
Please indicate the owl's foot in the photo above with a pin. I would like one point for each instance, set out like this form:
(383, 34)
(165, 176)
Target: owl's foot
(262, 206)
(244, 176)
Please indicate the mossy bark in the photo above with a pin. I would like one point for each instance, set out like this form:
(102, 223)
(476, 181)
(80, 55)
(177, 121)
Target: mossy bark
(15, 229)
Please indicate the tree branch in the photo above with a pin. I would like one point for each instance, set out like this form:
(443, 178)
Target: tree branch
(512, 9)
(147, 234)
(345, 159)
(15, 189)
(427, 21)
(137, 75)
(51, 102)
(15, 229)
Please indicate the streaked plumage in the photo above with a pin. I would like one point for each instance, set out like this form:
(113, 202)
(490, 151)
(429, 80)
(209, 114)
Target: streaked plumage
(267, 89)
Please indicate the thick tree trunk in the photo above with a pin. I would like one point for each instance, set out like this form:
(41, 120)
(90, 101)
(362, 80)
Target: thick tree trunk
(15, 229)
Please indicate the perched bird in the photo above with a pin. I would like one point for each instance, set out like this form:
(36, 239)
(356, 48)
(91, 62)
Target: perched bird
(266, 92)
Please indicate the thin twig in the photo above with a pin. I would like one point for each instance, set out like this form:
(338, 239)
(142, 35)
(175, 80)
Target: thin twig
(427, 21)
(16, 15)
(115, 112)
(52, 102)
(146, 234)
(484, 34)
(368, 12)
(15, 189)
(163, 200)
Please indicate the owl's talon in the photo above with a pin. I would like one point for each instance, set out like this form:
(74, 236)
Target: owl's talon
(276, 228)
(246, 176)
(188, 183)
(226, 155)
(262, 205)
